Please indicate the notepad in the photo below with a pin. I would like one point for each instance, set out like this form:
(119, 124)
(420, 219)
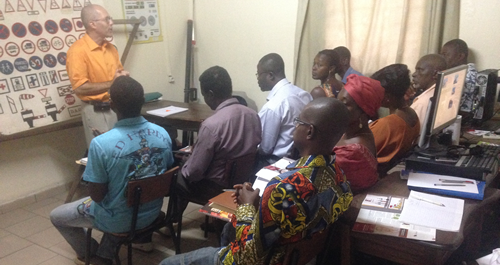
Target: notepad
(425, 210)
(164, 112)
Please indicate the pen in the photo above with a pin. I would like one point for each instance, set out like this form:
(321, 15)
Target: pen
(456, 181)
(231, 190)
(429, 201)
(450, 185)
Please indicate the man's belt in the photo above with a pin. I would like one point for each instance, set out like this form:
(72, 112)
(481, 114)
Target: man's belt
(99, 105)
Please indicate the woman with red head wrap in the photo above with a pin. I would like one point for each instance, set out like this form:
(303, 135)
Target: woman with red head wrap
(356, 151)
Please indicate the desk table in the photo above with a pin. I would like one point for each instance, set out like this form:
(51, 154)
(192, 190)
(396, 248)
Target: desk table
(189, 120)
(409, 251)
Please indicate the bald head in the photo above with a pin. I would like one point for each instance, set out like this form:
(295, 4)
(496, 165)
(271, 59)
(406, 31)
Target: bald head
(426, 70)
(90, 13)
(329, 119)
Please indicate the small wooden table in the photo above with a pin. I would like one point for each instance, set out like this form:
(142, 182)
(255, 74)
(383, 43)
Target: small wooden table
(408, 251)
(189, 120)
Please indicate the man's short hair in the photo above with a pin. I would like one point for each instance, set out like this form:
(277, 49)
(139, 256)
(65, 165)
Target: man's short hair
(273, 62)
(343, 52)
(333, 57)
(127, 95)
(459, 45)
(218, 80)
(395, 79)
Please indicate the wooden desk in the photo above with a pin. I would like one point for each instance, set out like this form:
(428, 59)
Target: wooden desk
(408, 251)
(189, 120)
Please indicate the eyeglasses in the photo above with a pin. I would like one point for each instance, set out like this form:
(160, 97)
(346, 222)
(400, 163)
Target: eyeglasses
(297, 122)
(107, 19)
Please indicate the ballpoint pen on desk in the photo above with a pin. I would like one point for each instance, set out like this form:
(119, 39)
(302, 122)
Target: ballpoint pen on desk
(429, 201)
(450, 185)
(456, 181)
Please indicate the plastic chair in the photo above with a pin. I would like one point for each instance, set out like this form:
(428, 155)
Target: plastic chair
(141, 191)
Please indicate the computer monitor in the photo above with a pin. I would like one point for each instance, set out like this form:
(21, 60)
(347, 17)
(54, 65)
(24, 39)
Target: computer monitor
(443, 107)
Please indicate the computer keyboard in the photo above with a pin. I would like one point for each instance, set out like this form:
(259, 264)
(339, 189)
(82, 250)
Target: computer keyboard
(467, 166)
(484, 161)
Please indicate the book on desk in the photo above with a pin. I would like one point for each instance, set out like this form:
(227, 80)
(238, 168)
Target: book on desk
(379, 214)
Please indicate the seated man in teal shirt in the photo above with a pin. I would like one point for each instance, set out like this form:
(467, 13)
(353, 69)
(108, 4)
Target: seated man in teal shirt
(133, 149)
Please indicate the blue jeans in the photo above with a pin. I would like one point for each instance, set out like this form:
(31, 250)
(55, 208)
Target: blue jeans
(202, 256)
(72, 224)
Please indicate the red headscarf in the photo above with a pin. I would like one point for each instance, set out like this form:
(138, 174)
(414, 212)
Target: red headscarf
(367, 92)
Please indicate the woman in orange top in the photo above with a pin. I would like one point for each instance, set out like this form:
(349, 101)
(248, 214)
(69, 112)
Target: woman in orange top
(355, 152)
(325, 65)
(395, 134)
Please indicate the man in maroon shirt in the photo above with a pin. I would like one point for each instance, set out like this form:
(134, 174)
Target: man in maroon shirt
(233, 131)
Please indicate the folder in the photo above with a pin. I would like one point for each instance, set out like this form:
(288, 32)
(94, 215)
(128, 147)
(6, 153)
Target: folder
(475, 196)
(419, 181)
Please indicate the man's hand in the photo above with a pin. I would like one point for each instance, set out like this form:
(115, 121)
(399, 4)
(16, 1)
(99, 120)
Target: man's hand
(121, 72)
(246, 194)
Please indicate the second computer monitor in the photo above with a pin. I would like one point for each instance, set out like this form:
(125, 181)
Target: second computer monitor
(444, 106)
(448, 94)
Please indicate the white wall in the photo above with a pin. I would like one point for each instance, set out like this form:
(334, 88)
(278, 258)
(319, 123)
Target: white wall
(479, 25)
(235, 34)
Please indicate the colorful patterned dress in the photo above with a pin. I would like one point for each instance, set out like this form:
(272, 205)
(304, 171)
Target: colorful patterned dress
(294, 205)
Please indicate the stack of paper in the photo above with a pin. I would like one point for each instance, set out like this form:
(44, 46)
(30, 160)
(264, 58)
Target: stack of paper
(267, 173)
(380, 214)
(433, 211)
(163, 112)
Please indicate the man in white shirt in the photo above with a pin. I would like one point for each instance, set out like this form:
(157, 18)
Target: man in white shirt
(424, 82)
(284, 103)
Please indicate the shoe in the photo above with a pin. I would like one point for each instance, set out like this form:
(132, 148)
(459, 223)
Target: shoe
(144, 247)
(94, 260)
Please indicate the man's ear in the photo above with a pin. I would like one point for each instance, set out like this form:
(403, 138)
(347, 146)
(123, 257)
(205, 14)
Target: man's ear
(311, 132)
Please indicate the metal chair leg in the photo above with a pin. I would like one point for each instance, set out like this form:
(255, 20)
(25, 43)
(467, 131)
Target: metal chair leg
(87, 247)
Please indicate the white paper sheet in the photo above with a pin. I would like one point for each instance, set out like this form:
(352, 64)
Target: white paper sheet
(266, 173)
(422, 209)
(163, 112)
(427, 180)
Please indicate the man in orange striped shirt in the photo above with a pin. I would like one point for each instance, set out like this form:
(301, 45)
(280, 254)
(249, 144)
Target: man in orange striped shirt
(93, 64)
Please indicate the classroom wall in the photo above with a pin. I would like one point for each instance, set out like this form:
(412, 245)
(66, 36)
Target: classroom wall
(479, 24)
(236, 34)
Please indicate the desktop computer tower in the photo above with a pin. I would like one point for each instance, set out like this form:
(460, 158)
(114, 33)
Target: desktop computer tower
(487, 87)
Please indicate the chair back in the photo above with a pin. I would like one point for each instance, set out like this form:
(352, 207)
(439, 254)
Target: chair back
(305, 250)
(239, 170)
(155, 187)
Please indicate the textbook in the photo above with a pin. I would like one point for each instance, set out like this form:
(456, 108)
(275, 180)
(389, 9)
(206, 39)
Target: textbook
(220, 206)
(380, 214)
(446, 185)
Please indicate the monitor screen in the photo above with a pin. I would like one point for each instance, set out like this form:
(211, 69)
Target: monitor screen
(449, 88)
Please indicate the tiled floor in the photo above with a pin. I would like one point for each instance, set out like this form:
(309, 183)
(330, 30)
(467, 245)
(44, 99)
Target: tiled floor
(28, 237)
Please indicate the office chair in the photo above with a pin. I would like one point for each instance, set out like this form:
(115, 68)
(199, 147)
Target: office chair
(141, 191)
